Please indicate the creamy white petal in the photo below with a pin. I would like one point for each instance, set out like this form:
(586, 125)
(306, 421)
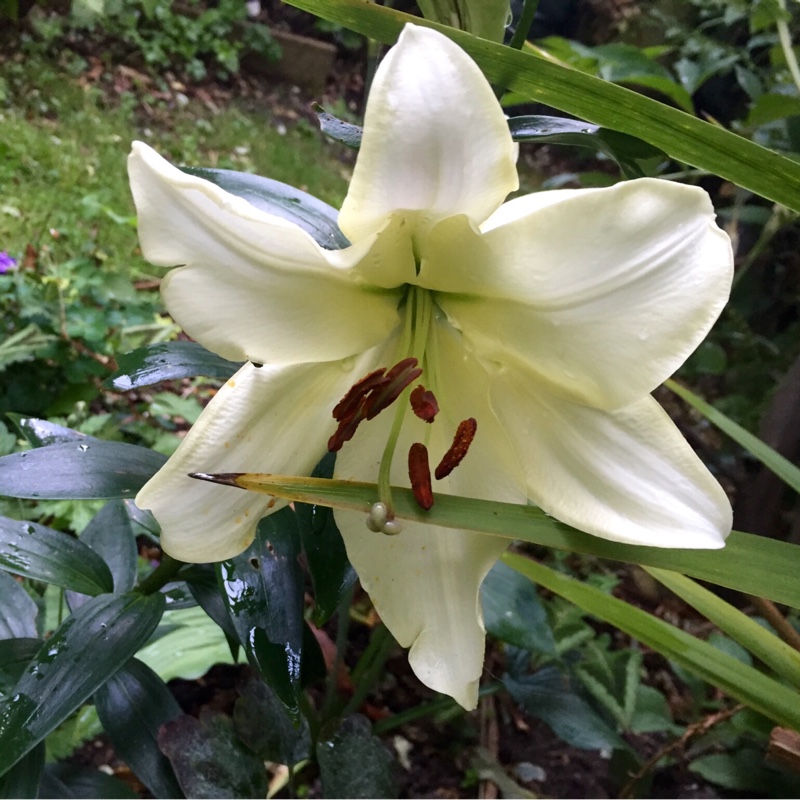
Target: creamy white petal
(626, 475)
(424, 582)
(268, 419)
(601, 295)
(436, 142)
(255, 286)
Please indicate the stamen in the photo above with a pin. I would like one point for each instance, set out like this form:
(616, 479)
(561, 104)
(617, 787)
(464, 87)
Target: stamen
(349, 404)
(424, 403)
(455, 455)
(419, 472)
(397, 378)
(392, 527)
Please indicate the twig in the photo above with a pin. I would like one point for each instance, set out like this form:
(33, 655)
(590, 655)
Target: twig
(777, 620)
(695, 729)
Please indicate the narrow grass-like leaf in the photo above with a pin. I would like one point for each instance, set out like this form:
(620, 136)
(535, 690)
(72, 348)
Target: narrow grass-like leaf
(82, 654)
(752, 564)
(677, 133)
(742, 682)
(774, 652)
(771, 459)
(44, 554)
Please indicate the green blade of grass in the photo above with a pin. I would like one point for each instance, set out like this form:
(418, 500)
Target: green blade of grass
(752, 564)
(767, 647)
(735, 678)
(770, 458)
(677, 133)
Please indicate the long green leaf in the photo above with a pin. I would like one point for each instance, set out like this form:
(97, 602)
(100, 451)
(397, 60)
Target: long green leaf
(770, 458)
(778, 655)
(745, 683)
(679, 134)
(752, 564)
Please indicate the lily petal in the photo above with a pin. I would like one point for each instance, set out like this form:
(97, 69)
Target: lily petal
(599, 294)
(425, 581)
(264, 419)
(436, 142)
(254, 280)
(626, 475)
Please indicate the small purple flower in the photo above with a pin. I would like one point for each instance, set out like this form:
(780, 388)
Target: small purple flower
(6, 262)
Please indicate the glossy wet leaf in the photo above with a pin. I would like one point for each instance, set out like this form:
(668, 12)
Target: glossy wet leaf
(355, 763)
(110, 629)
(86, 470)
(312, 215)
(35, 551)
(513, 612)
(626, 150)
(547, 695)
(22, 780)
(682, 136)
(209, 760)
(17, 610)
(264, 590)
(15, 655)
(132, 705)
(111, 535)
(168, 361)
(331, 572)
(42, 432)
(262, 722)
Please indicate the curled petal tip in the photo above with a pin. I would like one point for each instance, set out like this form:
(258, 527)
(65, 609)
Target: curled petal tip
(225, 478)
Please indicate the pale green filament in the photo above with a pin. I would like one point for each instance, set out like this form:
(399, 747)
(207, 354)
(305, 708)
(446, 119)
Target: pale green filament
(419, 313)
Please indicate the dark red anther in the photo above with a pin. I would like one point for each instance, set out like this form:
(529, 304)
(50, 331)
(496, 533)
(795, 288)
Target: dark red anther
(396, 379)
(455, 455)
(349, 404)
(419, 472)
(424, 403)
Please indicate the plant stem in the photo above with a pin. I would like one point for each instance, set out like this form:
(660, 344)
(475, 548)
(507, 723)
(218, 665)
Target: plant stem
(524, 24)
(161, 575)
(369, 667)
(331, 684)
(777, 620)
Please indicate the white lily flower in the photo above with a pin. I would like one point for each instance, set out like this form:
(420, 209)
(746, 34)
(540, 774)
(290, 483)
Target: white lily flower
(548, 320)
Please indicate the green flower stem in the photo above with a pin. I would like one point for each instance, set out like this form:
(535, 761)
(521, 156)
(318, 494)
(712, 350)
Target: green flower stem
(370, 667)
(342, 628)
(161, 575)
(524, 24)
(440, 705)
(786, 45)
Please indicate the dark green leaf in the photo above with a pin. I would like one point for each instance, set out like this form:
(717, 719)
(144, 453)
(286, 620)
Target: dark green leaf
(513, 612)
(110, 534)
(22, 780)
(354, 763)
(132, 705)
(263, 724)
(205, 588)
(546, 695)
(83, 782)
(331, 572)
(264, 590)
(624, 149)
(15, 655)
(17, 610)
(83, 653)
(87, 470)
(740, 771)
(44, 554)
(168, 361)
(209, 760)
(41, 432)
(345, 132)
(315, 217)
